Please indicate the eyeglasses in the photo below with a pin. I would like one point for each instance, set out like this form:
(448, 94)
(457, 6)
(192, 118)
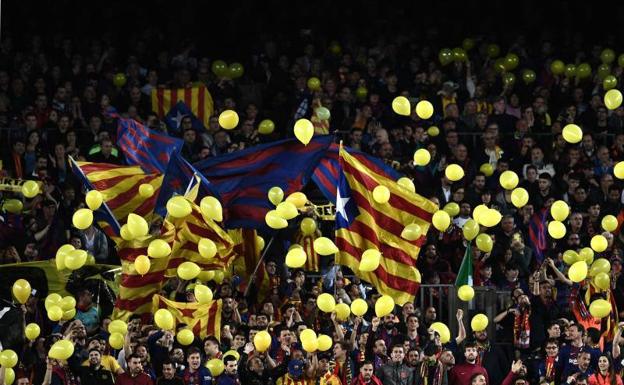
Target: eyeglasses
(551, 347)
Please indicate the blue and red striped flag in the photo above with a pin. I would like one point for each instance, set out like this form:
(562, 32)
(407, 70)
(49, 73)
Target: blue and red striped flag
(144, 147)
(537, 234)
(243, 178)
(326, 173)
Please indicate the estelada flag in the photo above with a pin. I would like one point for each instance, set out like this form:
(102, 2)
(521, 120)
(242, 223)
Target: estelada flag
(197, 98)
(362, 223)
(203, 319)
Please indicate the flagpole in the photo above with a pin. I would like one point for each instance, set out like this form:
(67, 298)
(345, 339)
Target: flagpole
(253, 275)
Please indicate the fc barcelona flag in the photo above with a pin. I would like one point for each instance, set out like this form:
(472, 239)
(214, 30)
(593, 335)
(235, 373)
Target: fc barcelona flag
(362, 223)
(197, 98)
(203, 319)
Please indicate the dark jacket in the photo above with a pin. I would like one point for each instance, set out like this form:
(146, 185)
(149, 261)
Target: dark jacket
(396, 374)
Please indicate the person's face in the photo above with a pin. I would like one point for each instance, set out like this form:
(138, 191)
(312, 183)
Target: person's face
(189, 136)
(338, 351)
(471, 354)
(511, 274)
(23, 381)
(95, 358)
(262, 321)
(537, 156)
(507, 224)
(167, 371)
(552, 350)
(231, 367)
(580, 195)
(141, 351)
(285, 337)
(603, 364)
(543, 184)
(583, 360)
(380, 347)
(239, 341)
(367, 372)
(135, 366)
(257, 365)
(412, 323)
(398, 354)
(430, 314)
(194, 361)
(573, 332)
(413, 357)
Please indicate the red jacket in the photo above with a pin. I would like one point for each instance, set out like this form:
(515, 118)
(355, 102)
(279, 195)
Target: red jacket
(461, 374)
(127, 379)
(360, 381)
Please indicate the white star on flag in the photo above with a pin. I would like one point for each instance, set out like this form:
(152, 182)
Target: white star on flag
(341, 204)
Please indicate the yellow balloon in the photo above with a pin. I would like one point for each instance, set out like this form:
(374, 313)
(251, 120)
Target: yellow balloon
(158, 248)
(185, 337)
(75, 259)
(559, 210)
(343, 311)
(146, 190)
(487, 169)
(586, 254)
(178, 207)
(308, 226)
(94, 199)
(613, 99)
(370, 260)
(304, 130)
(228, 119)
(262, 341)
(314, 84)
(296, 258)
(55, 313)
(68, 314)
(465, 293)
(618, 170)
(53, 299)
(13, 206)
(232, 353)
(206, 276)
(324, 342)
(556, 229)
(600, 265)
(401, 106)
(407, 183)
(266, 127)
(384, 305)
(602, 281)
(206, 248)
(203, 294)
(454, 172)
(325, 246)
(276, 195)
(8, 358)
(479, 211)
(484, 243)
(411, 232)
(470, 229)
(82, 218)
(519, 197)
(116, 340)
(9, 376)
(479, 322)
(142, 264)
(219, 276)
(442, 330)
(451, 208)
(609, 223)
(125, 233)
(578, 271)
(508, 180)
(68, 302)
(381, 194)
(422, 157)
(137, 225)
(307, 334)
(188, 270)
(424, 109)
(298, 198)
(600, 308)
(118, 326)
(433, 131)
(274, 221)
(287, 210)
(599, 243)
(441, 220)
(572, 133)
(21, 290)
(310, 345)
(490, 218)
(163, 319)
(359, 307)
(61, 350)
(32, 331)
(215, 366)
(211, 208)
(326, 302)
(30, 189)
(571, 256)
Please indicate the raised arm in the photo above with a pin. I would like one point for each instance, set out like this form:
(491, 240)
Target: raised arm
(461, 329)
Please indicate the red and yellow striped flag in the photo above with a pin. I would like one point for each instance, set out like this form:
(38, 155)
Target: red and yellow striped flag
(307, 242)
(135, 290)
(248, 253)
(119, 186)
(203, 320)
(197, 98)
(362, 223)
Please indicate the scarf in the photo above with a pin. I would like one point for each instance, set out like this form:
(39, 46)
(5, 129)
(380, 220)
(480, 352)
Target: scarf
(436, 379)
(481, 349)
(550, 368)
(359, 380)
(522, 330)
(343, 371)
(66, 375)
